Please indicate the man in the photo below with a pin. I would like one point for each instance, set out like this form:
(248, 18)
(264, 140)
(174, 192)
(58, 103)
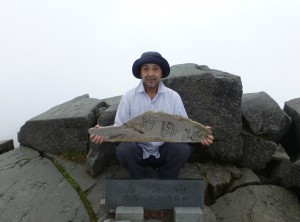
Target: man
(151, 94)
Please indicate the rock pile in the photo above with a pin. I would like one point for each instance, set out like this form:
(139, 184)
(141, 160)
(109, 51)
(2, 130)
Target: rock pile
(255, 157)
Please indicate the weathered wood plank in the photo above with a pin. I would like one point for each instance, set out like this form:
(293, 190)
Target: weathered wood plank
(154, 126)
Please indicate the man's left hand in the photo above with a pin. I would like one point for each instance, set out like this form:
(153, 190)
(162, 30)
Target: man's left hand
(209, 140)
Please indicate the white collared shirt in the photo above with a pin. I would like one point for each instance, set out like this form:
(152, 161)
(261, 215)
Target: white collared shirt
(136, 101)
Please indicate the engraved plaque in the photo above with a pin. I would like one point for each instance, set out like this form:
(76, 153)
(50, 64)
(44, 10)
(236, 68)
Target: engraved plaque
(154, 126)
(154, 193)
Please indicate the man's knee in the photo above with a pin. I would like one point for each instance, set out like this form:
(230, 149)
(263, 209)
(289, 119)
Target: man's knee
(122, 151)
(182, 149)
(127, 151)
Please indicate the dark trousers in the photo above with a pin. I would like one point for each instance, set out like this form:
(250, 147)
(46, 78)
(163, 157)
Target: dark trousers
(173, 156)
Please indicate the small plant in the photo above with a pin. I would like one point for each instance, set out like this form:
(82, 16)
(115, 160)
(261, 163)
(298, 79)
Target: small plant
(74, 156)
(78, 189)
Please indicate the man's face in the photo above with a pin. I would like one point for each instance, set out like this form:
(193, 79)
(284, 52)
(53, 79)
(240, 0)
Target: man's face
(151, 75)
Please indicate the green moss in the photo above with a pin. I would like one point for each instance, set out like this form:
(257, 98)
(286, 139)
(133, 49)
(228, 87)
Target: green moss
(80, 192)
(75, 156)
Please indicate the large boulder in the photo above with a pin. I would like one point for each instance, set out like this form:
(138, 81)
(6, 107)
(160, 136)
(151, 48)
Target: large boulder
(212, 98)
(222, 178)
(291, 141)
(264, 116)
(62, 128)
(257, 203)
(287, 174)
(32, 189)
(6, 145)
(257, 152)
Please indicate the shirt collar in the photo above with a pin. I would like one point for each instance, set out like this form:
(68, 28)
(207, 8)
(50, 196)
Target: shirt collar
(161, 87)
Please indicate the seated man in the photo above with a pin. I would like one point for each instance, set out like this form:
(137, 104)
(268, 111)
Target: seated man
(151, 94)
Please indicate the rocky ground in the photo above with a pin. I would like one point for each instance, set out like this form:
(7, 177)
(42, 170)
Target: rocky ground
(37, 187)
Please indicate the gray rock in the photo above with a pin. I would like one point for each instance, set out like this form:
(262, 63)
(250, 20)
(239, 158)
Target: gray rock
(248, 178)
(217, 177)
(208, 214)
(32, 189)
(280, 154)
(213, 98)
(77, 171)
(100, 156)
(258, 203)
(192, 170)
(6, 145)
(235, 172)
(107, 112)
(264, 116)
(222, 178)
(291, 141)
(257, 152)
(93, 187)
(62, 128)
(287, 174)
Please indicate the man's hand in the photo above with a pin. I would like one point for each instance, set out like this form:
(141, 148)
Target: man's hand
(96, 138)
(209, 140)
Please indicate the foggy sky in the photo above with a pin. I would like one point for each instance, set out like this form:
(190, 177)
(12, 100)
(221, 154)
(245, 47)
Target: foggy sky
(53, 51)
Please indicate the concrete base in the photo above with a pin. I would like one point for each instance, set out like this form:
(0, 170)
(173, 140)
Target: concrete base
(188, 214)
(134, 214)
(111, 220)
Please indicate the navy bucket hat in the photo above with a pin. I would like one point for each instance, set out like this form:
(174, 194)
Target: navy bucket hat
(151, 57)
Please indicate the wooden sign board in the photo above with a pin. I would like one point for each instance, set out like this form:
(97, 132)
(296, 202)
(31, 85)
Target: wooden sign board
(154, 127)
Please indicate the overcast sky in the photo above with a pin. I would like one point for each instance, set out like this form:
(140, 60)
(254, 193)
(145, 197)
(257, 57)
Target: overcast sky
(54, 50)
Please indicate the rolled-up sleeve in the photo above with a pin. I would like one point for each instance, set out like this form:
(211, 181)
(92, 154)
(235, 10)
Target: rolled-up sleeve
(123, 112)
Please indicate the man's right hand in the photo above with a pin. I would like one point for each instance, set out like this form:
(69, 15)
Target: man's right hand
(96, 138)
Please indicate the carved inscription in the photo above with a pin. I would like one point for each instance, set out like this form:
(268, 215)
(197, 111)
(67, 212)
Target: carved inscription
(130, 195)
(154, 194)
(168, 129)
(180, 193)
(188, 136)
(147, 123)
(156, 188)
